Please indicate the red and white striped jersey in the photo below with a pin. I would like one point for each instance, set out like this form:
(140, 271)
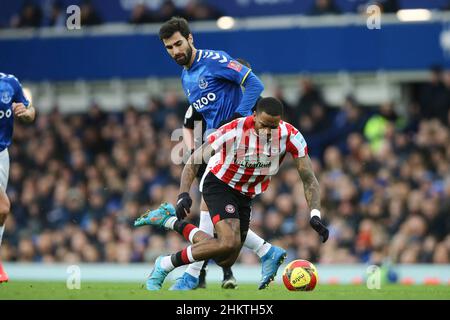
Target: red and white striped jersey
(245, 160)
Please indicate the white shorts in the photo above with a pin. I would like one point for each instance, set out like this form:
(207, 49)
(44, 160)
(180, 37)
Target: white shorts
(4, 169)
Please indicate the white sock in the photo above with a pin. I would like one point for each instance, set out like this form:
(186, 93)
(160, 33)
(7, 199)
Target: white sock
(2, 228)
(170, 223)
(206, 226)
(166, 263)
(194, 269)
(256, 244)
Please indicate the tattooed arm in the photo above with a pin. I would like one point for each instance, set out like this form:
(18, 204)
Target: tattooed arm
(190, 170)
(312, 195)
(193, 164)
(310, 183)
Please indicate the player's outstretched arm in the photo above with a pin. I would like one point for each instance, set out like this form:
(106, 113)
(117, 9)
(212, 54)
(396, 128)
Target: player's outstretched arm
(312, 195)
(193, 164)
(23, 113)
(253, 89)
(188, 175)
(310, 183)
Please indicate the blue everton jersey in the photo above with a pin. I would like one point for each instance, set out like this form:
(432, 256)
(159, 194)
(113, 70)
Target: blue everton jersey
(213, 85)
(10, 91)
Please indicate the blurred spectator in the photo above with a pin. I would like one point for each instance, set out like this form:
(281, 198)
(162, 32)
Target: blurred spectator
(141, 14)
(197, 10)
(379, 126)
(322, 7)
(57, 16)
(309, 96)
(388, 6)
(89, 15)
(435, 95)
(326, 127)
(289, 111)
(350, 119)
(29, 16)
(167, 11)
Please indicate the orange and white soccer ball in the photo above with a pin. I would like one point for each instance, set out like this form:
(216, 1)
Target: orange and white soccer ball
(300, 275)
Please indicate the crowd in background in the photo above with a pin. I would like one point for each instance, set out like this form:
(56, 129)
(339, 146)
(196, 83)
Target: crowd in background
(78, 181)
(33, 15)
(54, 15)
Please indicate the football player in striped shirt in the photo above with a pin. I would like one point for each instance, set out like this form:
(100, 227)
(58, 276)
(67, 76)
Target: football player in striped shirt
(220, 89)
(194, 131)
(246, 153)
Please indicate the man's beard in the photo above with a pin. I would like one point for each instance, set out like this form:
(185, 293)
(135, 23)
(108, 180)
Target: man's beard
(184, 59)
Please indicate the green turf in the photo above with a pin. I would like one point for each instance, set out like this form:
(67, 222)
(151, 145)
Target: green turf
(100, 291)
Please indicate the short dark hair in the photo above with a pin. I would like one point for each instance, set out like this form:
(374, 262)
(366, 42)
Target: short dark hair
(270, 105)
(173, 25)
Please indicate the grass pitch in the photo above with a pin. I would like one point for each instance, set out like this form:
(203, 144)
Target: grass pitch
(135, 291)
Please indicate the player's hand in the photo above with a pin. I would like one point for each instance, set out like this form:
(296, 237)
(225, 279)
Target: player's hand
(234, 116)
(316, 224)
(184, 204)
(19, 110)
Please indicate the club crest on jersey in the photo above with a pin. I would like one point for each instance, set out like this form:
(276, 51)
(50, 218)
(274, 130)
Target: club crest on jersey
(6, 93)
(230, 208)
(202, 83)
(6, 97)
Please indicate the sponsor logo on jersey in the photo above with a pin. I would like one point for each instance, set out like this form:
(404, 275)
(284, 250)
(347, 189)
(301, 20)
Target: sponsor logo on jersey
(6, 114)
(260, 162)
(204, 101)
(202, 83)
(253, 164)
(235, 65)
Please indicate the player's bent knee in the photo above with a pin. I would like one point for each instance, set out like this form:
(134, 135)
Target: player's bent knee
(227, 247)
(228, 262)
(229, 251)
(201, 236)
(237, 244)
(224, 264)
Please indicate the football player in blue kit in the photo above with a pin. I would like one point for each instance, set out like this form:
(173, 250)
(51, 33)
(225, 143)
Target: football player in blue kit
(220, 89)
(13, 105)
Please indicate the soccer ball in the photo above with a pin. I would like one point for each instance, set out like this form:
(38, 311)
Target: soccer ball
(300, 275)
